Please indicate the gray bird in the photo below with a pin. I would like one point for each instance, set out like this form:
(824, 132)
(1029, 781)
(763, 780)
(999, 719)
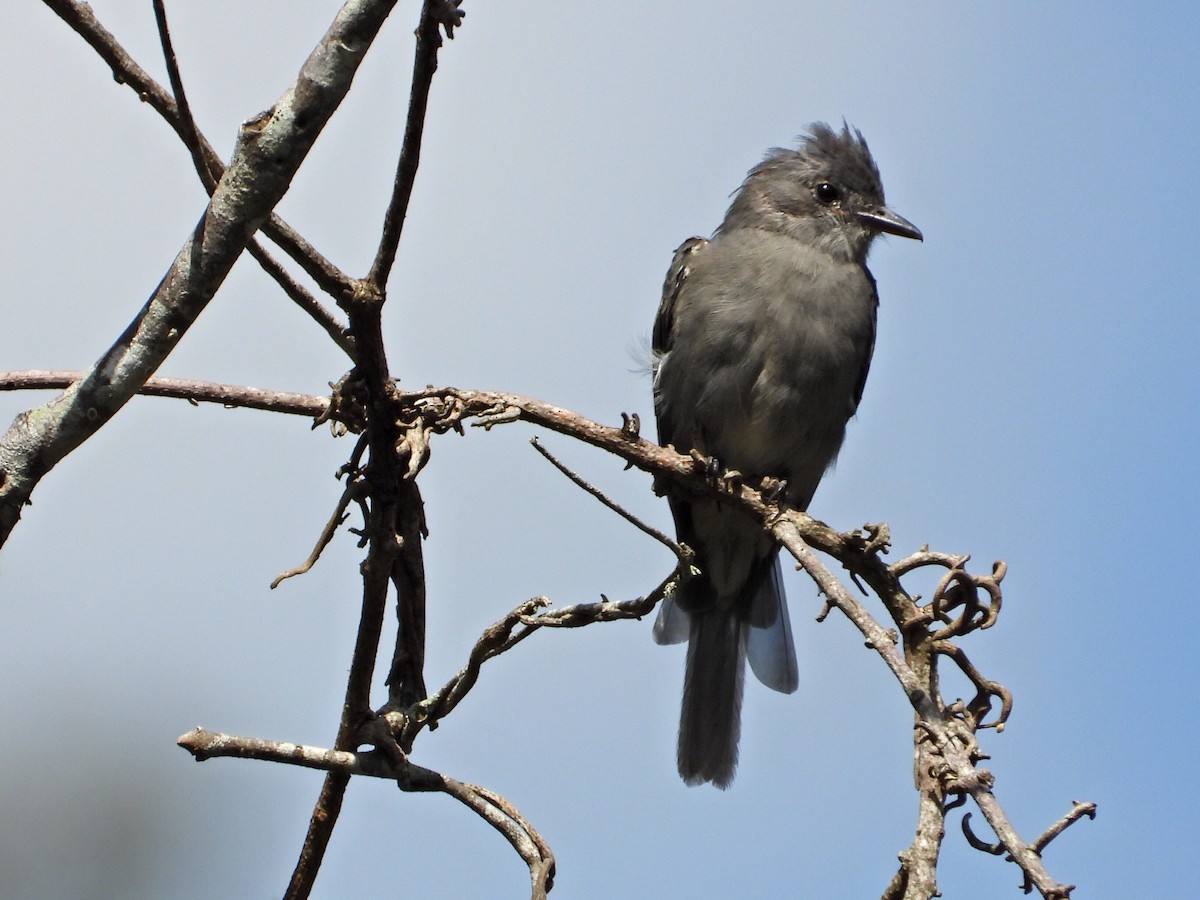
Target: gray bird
(761, 348)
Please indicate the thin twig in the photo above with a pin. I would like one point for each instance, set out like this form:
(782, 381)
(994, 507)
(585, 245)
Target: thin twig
(496, 639)
(187, 125)
(303, 298)
(611, 504)
(436, 16)
(208, 168)
(80, 17)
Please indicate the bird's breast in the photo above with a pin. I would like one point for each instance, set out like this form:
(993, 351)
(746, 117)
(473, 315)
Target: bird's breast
(798, 329)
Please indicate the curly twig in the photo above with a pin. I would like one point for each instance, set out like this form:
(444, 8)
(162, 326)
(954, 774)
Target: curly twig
(353, 489)
(979, 707)
(505, 634)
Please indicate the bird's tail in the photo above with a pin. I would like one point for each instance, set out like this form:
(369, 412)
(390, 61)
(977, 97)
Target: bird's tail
(721, 636)
(710, 723)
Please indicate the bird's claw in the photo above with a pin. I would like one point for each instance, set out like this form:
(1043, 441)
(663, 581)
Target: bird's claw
(713, 473)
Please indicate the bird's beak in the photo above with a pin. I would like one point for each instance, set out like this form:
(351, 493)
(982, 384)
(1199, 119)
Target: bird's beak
(883, 219)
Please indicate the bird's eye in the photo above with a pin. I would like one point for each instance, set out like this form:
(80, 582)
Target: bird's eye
(827, 193)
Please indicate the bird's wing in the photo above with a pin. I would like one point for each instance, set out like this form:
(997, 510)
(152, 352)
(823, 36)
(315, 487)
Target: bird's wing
(866, 360)
(681, 267)
(673, 624)
(662, 337)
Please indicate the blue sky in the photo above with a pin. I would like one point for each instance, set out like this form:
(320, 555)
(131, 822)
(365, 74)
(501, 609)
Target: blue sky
(1033, 398)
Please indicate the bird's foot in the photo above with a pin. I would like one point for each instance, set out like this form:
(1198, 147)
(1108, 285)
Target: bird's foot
(714, 474)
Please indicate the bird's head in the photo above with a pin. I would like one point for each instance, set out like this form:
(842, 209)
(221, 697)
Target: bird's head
(826, 193)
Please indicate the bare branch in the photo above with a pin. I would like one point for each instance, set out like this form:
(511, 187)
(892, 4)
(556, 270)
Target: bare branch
(1056, 891)
(392, 765)
(82, 20)
(505, 634)
(497, 638)
(204, 744)
(1078, 811)
(953, 741)
(580, 614)
(316, 840)
(441, 409)
(209, 170)
(227, 395)
(503, 816)
(946, 747)
(269, 151)
(917, 875)
(177, 112)
(395, 525)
